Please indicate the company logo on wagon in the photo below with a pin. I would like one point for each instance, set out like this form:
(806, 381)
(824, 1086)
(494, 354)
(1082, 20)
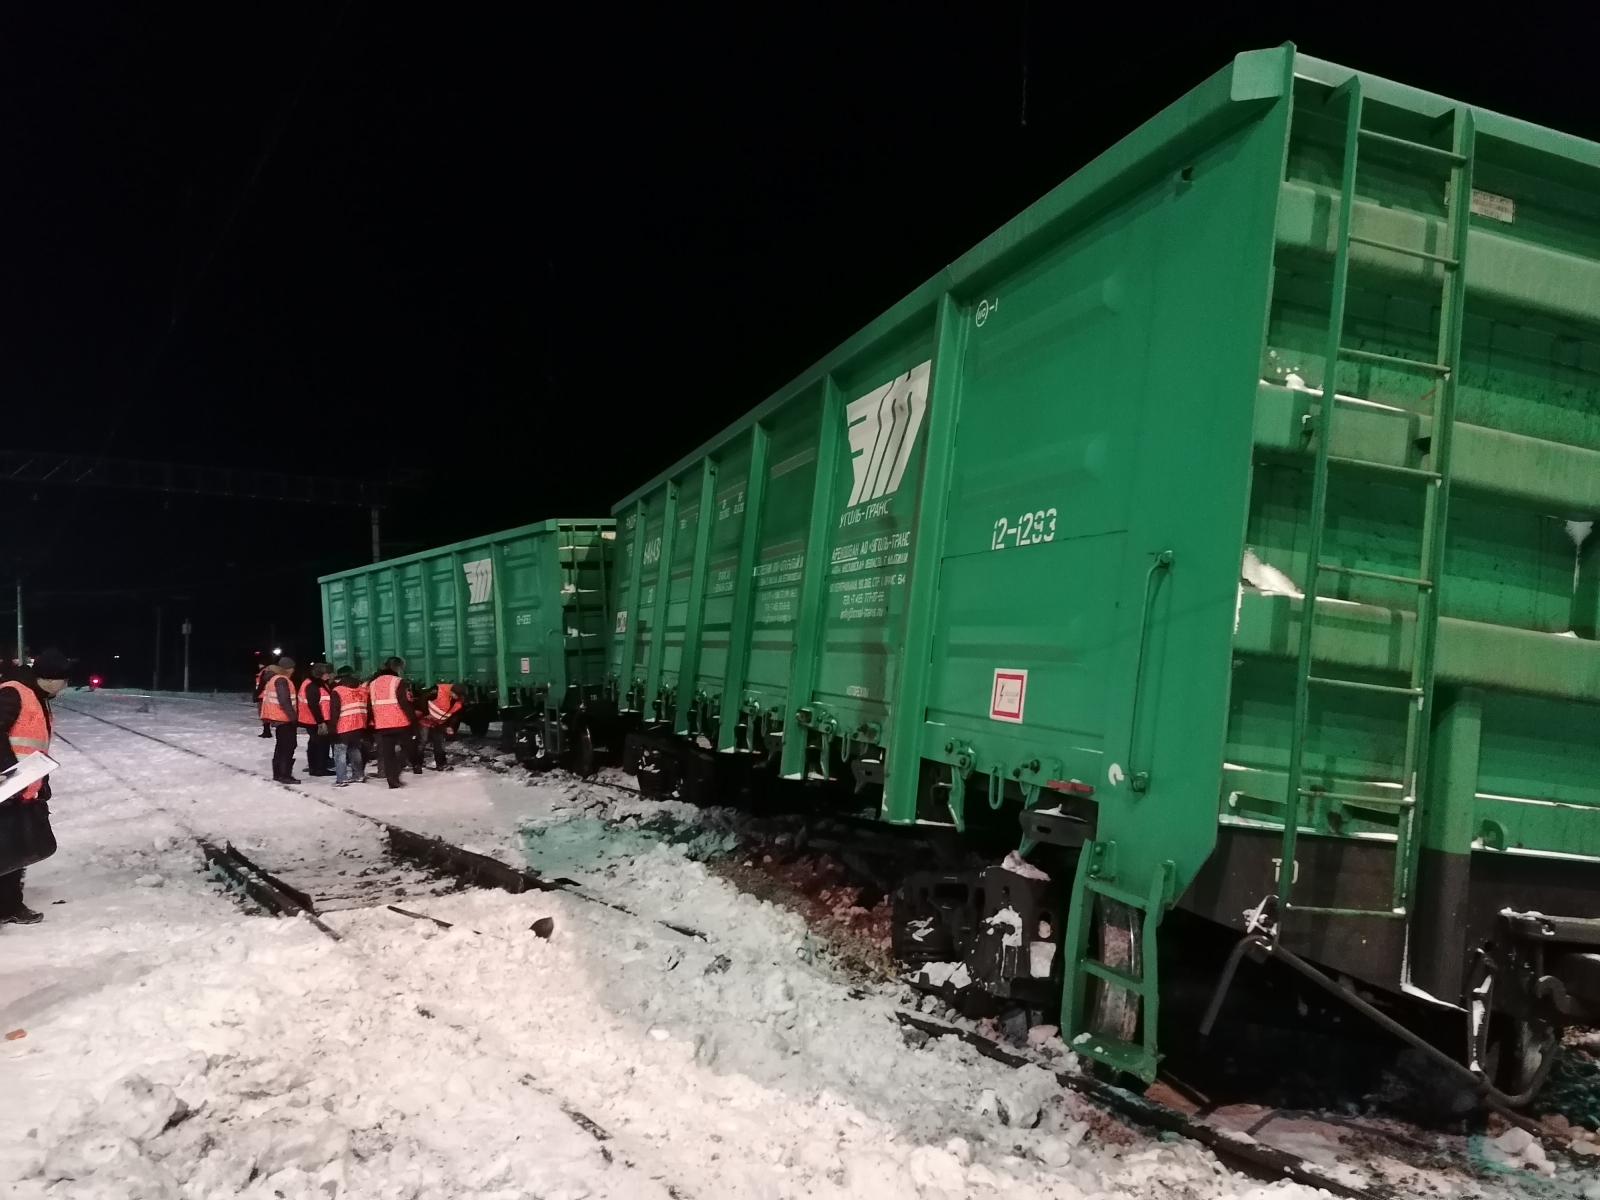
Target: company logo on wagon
(883, 427)
(480, 580)
(1010, 691)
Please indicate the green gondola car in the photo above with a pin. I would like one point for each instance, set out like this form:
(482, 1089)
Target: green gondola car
(517, 619)
(1034, 548)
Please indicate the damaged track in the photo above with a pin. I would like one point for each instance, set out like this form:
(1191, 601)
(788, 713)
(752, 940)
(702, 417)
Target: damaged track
(1240, 1153)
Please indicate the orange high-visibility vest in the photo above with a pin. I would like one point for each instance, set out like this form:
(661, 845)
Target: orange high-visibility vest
(271, 710)
(442, 707)
(30, 733)
(353, 708)
(309, 714)
(386, 711)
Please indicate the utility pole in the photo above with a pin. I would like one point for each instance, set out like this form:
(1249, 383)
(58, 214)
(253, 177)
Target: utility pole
(155, 678)
(19, 622)
(377, 545)
(188, 628)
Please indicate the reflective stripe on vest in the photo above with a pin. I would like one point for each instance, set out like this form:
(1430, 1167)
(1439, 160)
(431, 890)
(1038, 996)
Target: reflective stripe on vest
(30, 732)
(386, 710)
(352, 708)
(271, 710)
(444, 706)
(308, 711)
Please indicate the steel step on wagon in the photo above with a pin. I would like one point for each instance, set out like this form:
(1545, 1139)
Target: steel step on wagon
(1225, 521)
(518, 620)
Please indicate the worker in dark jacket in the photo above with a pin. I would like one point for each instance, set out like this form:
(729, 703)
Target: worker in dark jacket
(394, 716)
(25, 721)
(316, 714)
(278, 705)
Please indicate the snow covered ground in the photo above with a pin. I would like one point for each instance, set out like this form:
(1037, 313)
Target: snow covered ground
(163, 1044)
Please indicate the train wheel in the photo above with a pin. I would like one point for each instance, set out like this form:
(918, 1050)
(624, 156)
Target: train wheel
(583, 757)
(531, 750)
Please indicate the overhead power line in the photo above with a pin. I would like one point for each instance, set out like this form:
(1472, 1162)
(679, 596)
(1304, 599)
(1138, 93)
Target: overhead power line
(80, 470)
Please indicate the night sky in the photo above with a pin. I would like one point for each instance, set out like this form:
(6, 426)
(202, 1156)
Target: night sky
(521, 262)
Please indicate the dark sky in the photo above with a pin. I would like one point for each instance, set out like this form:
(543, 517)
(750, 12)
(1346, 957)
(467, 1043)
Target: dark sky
(526, 259)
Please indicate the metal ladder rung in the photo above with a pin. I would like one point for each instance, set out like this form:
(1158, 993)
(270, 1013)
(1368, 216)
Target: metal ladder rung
(1335, 569)
(1369, 465)
(1393, 360)
(1318, 910)
(1388, 139)
(1363, 403)
(1113, 976)
(1353, 798)
(1443, 260)
(1358, 686)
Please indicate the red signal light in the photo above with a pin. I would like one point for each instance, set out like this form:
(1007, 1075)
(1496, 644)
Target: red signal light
(94, 681)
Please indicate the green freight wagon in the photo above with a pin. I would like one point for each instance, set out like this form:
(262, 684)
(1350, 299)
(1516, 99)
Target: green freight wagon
(1035, 546)
(518, 619)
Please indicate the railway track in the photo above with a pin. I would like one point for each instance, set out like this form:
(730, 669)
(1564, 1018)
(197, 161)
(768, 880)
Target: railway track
(433, 859)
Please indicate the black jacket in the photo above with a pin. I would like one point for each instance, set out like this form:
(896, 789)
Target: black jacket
(11, 709)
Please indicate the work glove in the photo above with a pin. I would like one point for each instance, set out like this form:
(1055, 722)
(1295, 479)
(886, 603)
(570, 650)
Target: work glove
(322, 729)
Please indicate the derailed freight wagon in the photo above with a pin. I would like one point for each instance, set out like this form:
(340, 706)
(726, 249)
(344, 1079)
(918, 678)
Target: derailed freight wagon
(517, 620)
(1035, 546)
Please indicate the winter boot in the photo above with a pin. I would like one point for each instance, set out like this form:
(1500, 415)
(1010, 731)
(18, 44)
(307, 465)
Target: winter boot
(21, 915)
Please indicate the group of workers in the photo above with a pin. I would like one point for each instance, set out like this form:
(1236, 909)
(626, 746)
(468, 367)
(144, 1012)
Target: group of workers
(343, 717)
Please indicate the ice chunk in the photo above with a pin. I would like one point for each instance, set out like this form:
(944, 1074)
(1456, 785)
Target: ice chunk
(938, 974)
(1266, 578)
(136, 1108)
(1514, 1140)
(1018, 865)
(1021, 1096)
(81, 1156)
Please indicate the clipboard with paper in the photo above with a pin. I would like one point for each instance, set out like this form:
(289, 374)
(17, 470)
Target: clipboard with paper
(25, 833)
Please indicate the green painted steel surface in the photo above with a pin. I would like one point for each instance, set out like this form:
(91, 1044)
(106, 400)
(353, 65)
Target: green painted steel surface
(507, 615)
(1000, 536)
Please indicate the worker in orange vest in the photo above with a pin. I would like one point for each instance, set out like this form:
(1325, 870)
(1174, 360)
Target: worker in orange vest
(25, 695)
(439, 719)
(316, 714)
(351, 716)
(264, 672)
(278, 705)
(394, 716)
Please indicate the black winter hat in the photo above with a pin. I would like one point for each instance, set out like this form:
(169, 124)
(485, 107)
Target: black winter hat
(50, 664)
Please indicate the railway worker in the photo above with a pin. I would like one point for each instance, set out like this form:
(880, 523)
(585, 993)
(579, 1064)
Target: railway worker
(278, 710)
(316, 714)
(264, 672)
(439, 719)
(25, 695)
(351, 715)
(394, 716)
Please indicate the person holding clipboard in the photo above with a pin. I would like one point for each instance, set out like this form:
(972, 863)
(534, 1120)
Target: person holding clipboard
(25, 727)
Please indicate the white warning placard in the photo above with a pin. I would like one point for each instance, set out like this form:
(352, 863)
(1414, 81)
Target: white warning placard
(1010, 692)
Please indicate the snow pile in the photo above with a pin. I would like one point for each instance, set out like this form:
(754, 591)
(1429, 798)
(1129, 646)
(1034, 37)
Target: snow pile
(176, 1048)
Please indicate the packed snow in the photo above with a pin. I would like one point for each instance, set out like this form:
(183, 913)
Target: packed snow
(162, 1042)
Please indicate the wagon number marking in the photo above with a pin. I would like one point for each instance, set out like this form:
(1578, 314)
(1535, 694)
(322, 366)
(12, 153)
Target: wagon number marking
(1031, 529)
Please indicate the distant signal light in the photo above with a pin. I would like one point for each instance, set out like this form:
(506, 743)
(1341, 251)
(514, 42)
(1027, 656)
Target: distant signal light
(94, 681)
